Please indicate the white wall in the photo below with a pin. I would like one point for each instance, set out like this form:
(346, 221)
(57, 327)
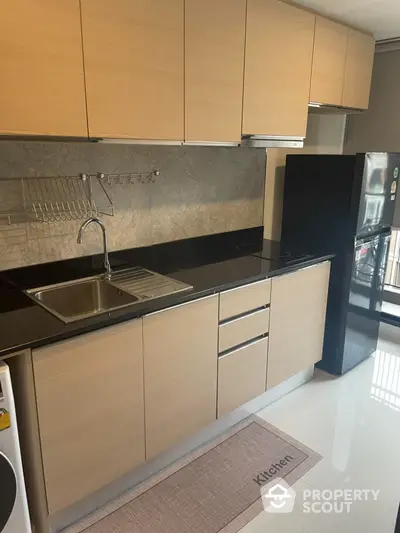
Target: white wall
(377, 130)
(325, 134)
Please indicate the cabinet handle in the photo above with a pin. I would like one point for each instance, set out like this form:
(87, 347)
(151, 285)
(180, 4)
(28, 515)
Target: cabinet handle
(246, 344)
(247, 314)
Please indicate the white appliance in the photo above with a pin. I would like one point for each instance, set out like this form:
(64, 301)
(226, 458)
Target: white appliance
(14, 514)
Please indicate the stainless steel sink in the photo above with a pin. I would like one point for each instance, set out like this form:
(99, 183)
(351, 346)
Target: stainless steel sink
(81, 299)
(146, 284)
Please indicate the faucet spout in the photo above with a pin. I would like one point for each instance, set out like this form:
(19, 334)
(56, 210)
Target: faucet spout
(105, 243)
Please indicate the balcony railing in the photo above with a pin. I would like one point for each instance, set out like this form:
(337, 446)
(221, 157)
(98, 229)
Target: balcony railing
(391, 295)
(392, 278)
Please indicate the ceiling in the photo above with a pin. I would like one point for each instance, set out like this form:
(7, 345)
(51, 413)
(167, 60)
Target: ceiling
(381, 17)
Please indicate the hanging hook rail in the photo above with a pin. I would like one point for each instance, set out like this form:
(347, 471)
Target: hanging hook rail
(64, 198)
(130, 177)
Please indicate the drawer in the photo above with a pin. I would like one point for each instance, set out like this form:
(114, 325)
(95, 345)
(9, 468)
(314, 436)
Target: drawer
(243, 329)
(242, 375)
(244, 299)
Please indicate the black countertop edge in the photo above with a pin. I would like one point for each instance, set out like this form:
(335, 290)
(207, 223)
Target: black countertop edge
(35, 327)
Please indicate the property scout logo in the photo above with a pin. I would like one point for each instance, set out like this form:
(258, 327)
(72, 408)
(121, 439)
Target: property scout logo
(278, 497)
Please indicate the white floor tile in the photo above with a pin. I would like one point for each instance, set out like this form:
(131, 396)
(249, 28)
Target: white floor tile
(354, 423)
(284, 523)
(363, 517)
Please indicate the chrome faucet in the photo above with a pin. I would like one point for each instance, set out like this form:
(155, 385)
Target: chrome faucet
(103, 229)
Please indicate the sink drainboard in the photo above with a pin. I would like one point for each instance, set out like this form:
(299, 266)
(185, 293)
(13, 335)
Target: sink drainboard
(146, 284)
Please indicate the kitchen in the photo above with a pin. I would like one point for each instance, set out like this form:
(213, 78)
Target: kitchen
(109, 126)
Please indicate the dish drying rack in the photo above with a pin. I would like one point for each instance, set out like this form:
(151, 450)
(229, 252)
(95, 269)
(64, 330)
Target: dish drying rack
(53, 199)
(62, 199)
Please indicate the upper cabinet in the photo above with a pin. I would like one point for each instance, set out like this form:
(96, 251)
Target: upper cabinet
(330, 47)
(214, 61)
(358, 71)
(201, 71)
(41, 69)
(133, 52)
(278, 60)
(342, 65)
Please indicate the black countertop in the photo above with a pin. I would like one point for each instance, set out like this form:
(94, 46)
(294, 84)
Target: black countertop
(210, 264)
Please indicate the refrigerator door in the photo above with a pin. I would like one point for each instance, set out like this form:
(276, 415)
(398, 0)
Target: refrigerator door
(365, 299)
(380, 176)
(318, 214)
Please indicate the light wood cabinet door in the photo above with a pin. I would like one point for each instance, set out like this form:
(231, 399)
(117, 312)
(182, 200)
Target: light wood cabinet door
(278, 60)
(91, 412)
(297, 322)
(180, 369)
(329, 60)
(244, 299)
(358, 71)
(41, 69)
(243, 329)
(214, 61)
(241, 375)
(133, 51)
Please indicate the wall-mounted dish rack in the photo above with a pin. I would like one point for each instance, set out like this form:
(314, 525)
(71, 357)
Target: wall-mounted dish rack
(61, 199)
(53, 199)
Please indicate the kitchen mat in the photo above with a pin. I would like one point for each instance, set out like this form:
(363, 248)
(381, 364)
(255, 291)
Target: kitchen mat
(215, 489)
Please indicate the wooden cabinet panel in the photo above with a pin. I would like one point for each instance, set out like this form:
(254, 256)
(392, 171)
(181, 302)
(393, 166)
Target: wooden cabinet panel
(329, 60)
(297, 322)
(180, 369)
(133, 52)
(244, 299)
(41, 69)
(241, 376)
(214, 59)
(358, 71)
(243, 329)
(91, 411)
(279, 48)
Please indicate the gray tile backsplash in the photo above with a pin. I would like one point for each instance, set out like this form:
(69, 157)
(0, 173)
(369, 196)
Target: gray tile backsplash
(200, 191)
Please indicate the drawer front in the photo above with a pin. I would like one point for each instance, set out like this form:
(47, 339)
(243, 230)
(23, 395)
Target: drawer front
(243, 329)
(244, 299)
(242, 375)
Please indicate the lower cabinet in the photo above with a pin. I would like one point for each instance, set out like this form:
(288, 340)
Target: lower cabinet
(110, 400)
(241, 375)
(180, 372)
(297, 322)
(91, 411)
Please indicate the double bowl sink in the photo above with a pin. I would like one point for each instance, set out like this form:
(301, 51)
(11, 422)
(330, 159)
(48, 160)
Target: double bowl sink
(87, 297)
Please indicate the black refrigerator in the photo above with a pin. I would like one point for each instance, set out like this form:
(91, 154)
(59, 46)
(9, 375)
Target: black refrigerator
(344, 205)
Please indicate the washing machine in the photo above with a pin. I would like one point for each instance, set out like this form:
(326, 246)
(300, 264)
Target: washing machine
(14, 514)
